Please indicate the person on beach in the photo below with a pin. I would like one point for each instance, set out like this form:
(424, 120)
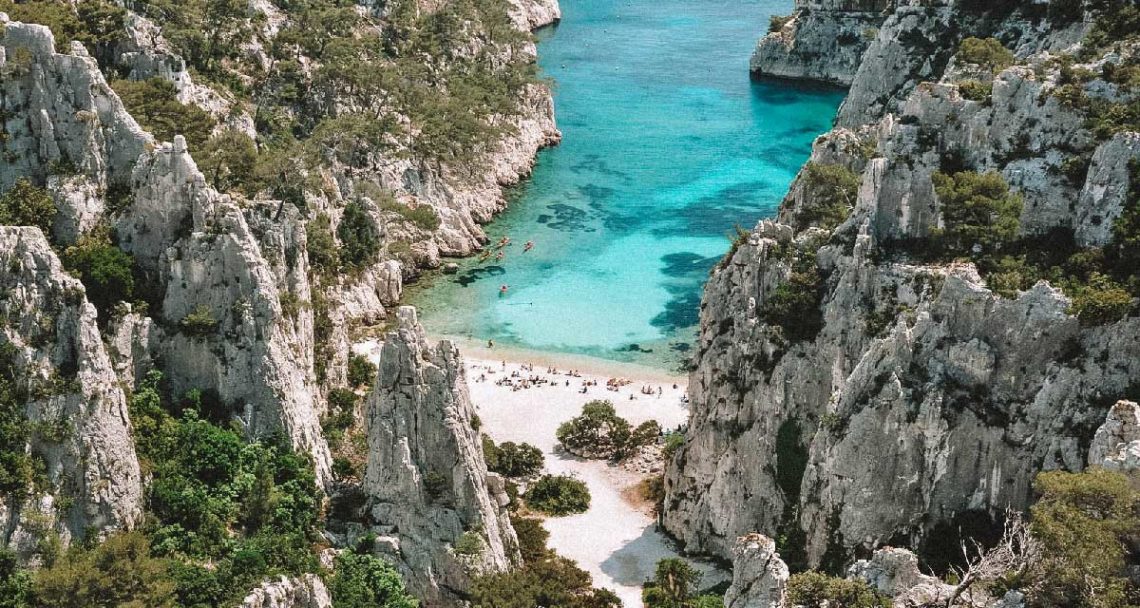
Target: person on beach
(490, 343)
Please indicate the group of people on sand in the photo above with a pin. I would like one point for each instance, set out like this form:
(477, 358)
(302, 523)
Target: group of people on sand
(498, 250)
(525, 378)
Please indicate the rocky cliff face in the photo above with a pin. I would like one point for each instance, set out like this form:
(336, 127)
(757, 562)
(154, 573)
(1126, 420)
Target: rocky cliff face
(919, 398)
(306, 591)
(440, 515)
(759, 576)
(66, 389)
(820, 41)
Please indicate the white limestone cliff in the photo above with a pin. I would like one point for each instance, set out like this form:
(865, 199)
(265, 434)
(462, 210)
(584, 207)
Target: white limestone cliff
(759, 576)
(925, 397)
(81, 432)
(426, 481)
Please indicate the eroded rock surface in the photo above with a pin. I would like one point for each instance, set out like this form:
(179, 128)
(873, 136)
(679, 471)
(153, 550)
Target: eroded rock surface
(759, 576)
(426, 480)
(918, 395)
(80, 430)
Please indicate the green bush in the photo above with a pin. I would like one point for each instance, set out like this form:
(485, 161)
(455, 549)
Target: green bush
(514, 460)
(320, 244)
(674, 585)
(359, 238)
(975, 90)
(228, 160)
(15, 582)
(979, 213)
(422, 216)
(17, 466)
(558, 495)
(106, 271)
(248, 509)
(118, 572)
(365, 581)
(829, 194)
(532, 538)
(154, 104)
(26, 205)
(794, 306)
(1084, 522)
(544, 580)
(198, 323)
(597, 433)
(469, 543)
(673, 442)
(1100, 301)
(436, 485)
(361, 371)
(813, 589)
(988, 53)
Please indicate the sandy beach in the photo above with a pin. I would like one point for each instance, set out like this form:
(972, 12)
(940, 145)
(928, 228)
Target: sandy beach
(615, 541)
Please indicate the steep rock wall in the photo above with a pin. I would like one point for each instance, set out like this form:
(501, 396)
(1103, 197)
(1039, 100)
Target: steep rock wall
(924, 397)
(820, 41)
(426, 480)
(80, 430)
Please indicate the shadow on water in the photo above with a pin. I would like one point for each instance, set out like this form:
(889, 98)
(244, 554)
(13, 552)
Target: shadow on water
(477, 273)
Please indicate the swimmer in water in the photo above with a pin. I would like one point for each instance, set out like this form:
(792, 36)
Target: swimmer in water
(503, 289)
(500, 256)
(529, 245)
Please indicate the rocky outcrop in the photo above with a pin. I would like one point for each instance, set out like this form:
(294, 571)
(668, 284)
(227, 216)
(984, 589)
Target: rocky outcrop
(426, 480)
(62, 377)
(199, 251)
(924, 398)
(1116, 445)
(306, 591)
(894, 573)
(822, 41)
(759, 576)
(533, 14)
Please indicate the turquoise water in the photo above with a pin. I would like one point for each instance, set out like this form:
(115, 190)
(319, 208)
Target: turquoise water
(666, 147)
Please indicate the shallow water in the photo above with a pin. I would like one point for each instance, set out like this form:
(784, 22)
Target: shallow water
(666, 147)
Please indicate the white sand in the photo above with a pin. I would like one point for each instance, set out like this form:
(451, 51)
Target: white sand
(614, 541)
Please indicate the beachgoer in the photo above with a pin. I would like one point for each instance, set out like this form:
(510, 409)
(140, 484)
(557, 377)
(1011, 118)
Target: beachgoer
(503, 289)
(528, 246)
(490, 344)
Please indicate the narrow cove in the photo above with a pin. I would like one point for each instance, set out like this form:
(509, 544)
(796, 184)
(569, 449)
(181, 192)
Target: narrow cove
(667, 146)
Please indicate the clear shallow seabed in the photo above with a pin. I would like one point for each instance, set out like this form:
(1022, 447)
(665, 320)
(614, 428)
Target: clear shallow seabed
(666, 147)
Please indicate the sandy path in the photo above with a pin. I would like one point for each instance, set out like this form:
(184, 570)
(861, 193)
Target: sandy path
(614, 541)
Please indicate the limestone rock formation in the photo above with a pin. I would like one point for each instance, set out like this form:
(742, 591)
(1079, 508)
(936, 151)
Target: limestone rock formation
(844, 27)
(894, 573)
(759, 576)
(1116, 444)
(81, 433)
(426, 480)
(915, 396)
(307, 591)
